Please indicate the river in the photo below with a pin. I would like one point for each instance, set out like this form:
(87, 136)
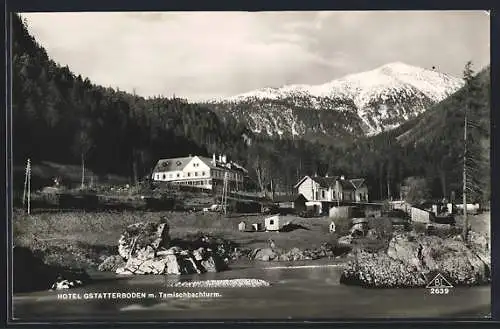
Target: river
(309, 292)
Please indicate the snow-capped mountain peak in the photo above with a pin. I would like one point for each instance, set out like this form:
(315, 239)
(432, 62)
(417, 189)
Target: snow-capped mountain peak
(381, 98)
(362, 87)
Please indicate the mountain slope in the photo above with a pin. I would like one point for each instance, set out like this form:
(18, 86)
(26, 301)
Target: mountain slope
(449, 114)
(365, 103)
(436, 139)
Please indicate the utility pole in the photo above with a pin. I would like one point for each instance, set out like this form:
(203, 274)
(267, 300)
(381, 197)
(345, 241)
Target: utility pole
(464, 193)
(224, 193)
(272, 190)
(388, 187)
(83, 171)
(27, 186)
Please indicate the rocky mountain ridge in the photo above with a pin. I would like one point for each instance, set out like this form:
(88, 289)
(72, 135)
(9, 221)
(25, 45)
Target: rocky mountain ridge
(365, 103)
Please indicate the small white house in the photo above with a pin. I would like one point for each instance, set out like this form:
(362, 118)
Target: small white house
(242, 226)
(272, 223)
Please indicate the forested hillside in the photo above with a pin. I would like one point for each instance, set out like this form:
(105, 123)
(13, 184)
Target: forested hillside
(62, 117)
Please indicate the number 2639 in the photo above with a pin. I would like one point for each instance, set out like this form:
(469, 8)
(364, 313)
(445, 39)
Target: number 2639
(440, 291)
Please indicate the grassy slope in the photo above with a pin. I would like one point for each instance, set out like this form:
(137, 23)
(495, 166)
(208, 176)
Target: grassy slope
(83, 239)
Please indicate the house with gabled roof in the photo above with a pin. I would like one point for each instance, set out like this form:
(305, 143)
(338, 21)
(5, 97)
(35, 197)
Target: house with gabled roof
(332, 189)
(200, 171)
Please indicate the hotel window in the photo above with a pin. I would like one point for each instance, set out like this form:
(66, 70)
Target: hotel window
(170, 175)
(164, 176)
(196, 173)
(203, 173)
(189, 174)
(178, 175)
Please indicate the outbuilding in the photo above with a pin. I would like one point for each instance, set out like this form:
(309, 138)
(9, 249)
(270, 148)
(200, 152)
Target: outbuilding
(272, 223)
(332, 227)
(242, 226)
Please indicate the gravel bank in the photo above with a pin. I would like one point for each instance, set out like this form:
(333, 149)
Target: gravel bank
(229, 283)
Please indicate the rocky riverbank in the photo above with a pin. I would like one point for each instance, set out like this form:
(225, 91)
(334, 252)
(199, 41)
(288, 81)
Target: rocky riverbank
(413, 260)
(229, 283)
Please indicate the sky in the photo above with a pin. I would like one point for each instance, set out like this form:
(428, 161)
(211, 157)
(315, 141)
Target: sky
(204, 55)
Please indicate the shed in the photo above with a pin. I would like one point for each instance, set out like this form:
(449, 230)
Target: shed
(332, 227)
(242, 226)
(272, 223)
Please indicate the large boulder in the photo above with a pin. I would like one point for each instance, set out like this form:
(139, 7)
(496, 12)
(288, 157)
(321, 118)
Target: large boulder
(145, 248)
(142, 235)
(172, 261)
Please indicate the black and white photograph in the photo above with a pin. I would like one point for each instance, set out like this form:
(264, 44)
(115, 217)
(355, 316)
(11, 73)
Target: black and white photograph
(265, 165)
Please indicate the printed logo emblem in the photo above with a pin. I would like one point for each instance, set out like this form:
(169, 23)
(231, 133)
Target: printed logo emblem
(439, 285)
